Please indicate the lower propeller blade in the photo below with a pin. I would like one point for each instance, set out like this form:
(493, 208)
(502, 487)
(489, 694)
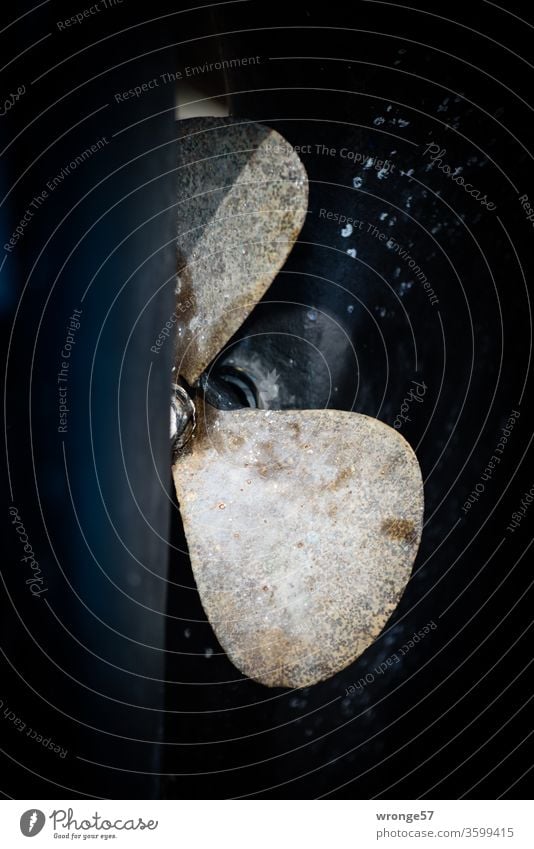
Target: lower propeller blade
(302, 529)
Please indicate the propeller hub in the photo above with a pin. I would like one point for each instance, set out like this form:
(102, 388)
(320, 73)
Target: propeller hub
(183, 418)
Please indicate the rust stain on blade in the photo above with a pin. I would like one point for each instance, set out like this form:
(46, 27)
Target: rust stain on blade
(401, 530)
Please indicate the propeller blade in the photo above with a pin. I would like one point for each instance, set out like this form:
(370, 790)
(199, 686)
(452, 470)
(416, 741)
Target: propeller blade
(242, 200)
(302, 529)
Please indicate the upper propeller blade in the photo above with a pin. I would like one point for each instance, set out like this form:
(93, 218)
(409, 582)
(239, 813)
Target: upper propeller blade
(242, 200)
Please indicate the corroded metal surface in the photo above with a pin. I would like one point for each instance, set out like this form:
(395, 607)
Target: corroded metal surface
(242, 199)
(183, 418)
(302, 529)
